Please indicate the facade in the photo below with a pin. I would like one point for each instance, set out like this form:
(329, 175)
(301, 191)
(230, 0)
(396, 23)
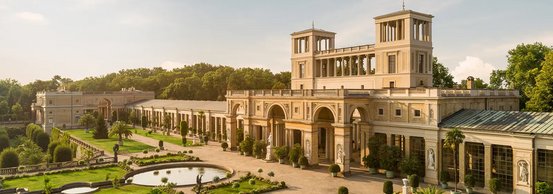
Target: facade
(341, 97)
(64, 108)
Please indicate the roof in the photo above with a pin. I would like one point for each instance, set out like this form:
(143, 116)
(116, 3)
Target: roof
(213, 106)
(312, 30)
(501, 121)
(401, 12)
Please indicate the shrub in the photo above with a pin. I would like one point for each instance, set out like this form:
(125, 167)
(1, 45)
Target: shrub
(282, 183)
(259, 170)
(494, 185)
(235, 185)
(52, 147)
(160, 144)
(258, 148)
(295, 153)
(303, 161)
(145, 152)
(414, 180)
(4, 142)
(410, 165)
(388, 187)
(429, 190)
(343, 190)
(156, 172)
(444, 176)
(281, 152)
(271, 174)
(252, 181)
(334, 168)
(228, 175)
(190, 151)
(246, 146)
(543, 188)
(389, 157)
(42, 140)
(224, 145)
(101, 131)
(469, 181)
(370, 161)
(63, 153)
(216, 179)
(164, 180)
(158, 150)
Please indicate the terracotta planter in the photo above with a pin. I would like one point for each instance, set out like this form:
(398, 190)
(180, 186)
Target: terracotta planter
(334, 174)
(390, 174)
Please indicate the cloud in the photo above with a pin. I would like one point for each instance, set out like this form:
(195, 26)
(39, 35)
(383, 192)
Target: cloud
(31, 17)
(472, 66)
(135, 20)
(170, 65)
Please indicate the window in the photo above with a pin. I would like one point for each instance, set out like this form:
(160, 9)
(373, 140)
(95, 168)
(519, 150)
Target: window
(301, 86)
(380, 111)
(257, 107)
(545, 166)
(502, 162)
(447, 161)
(398, 112)
(362, 86)
(324, 87)
(416, 149)
(474, 162)
(296, 109)
(49, 101)
(392, 84)
(420, 63)
(399, 141)
(391, 64)
(417, 113)
(302, 70)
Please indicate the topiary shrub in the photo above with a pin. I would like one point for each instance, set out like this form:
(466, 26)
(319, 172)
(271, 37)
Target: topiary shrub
(343, 190)
(494, 185)
(414, 181)
(252, 181)
(4, 142)
(235, 185)
(271, 174)
(42, 140)
(303, 162)
(224, 145)
(160, 144)
(543, 188)
(63, 153)
(216, 179)
(334, 168)
(158, 150)
(145, 152)
(51, 147)
(388, 187)
(294, 154)
(9, 158)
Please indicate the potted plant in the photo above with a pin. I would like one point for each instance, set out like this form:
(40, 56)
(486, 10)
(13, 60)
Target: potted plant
(494, 185)
(390, 156)
(343, 190)
(410, 165)
(224, 145)
(452, 140)
(388, 187)
(246, 146)
(294, 155)
(414, 181)
(160, 144)
(281, 153)
(371, 162)
(469, 183)
(444, 178)
(303, 162)
(334, 169)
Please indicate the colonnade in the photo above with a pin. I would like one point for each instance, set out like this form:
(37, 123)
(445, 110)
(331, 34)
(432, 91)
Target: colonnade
(355, 65)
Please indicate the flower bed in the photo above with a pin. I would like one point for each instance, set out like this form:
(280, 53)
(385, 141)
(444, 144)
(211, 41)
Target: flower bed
(169, 157)
(263, 185)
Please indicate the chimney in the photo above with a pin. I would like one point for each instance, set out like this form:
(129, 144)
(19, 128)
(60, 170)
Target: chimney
(470, 83)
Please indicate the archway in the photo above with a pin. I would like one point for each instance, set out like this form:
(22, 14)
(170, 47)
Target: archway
(104, 108)
(359, 134)
(276, 116)
(324, 118)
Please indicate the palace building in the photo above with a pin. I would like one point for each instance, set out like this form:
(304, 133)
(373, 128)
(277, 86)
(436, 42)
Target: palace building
(341, 97)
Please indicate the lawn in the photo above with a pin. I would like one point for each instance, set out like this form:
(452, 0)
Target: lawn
(135, 189)
(162, 159)
(129, 145)
(37, 182)
(244, 187)
(164, 138)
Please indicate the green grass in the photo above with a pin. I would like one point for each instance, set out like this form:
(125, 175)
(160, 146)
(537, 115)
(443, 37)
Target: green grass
(34, 183)
(135, 189)
(164, 138)
(162, 159)
(129, 146)
(244, 187)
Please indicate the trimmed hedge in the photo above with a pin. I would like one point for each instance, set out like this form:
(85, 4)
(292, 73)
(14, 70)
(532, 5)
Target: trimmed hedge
(249, 177)
(9, 158)
(157, 159)
(63, 153)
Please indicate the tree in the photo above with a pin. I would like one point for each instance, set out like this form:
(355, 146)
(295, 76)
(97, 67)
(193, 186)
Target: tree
(101, 131)
(42, 140)
(144, 122)
(31, 128)
(17, 110)
(30, 153)
(541, 96)
(524, 66)
(63, 153)
(9, 158)
(133, 118)
(441, 77)
(51, 148)
(120, 129)
(452, 140)
(167, 123)
(4, 107)
(497, 79)
(183, 126)
(87, 120)
(4, 142)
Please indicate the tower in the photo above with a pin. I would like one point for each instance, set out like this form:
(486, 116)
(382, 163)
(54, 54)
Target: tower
(403, 49)
(305, 45)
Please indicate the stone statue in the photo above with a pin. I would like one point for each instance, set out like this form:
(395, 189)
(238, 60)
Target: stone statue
(269, 147)
(523, 171)
(340, 159)
(308, 149)
(199, 183)
(431, 159)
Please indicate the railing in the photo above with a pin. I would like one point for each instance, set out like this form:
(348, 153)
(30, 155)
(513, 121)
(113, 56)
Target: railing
(347, 49)
(395, 92)
(96, 152)
(54, 166)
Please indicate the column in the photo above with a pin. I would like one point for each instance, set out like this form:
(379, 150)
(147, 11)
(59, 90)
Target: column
(334, 67)
(359, 64)
(342, 145)
(350, 66)
(328, 67)
(231, 126)
(312, 150)
(487, 164)
(320, 62)
(368, 64)
(461, 164)
(342, 66)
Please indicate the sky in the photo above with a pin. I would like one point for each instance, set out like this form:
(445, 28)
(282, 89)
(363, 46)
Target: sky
(81, 38)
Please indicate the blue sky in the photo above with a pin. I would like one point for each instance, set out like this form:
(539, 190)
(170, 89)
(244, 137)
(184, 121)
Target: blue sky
(79, 38)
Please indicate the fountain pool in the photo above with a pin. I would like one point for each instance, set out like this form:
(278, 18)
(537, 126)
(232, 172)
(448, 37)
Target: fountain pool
(179, 175)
